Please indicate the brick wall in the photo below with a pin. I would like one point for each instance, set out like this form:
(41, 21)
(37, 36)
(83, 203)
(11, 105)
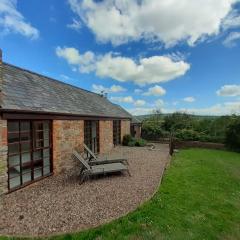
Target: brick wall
(67, 135)
(105, 136)
(125, 128)
(3, 157)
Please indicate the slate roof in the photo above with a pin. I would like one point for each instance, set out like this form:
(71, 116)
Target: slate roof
(135, 120)
(27, 91)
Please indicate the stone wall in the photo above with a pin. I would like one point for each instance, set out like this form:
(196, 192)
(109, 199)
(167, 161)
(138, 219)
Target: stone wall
(67, 135)
(3, 157)
(105, 136)
(125, 128)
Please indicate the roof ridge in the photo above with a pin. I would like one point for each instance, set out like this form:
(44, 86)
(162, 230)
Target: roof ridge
(50, 78)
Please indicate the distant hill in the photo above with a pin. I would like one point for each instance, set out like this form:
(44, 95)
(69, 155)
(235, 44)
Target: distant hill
(142, 117)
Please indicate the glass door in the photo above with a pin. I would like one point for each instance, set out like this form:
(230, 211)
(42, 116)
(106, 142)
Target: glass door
(91, 135)
(116, 132)
(29, 151)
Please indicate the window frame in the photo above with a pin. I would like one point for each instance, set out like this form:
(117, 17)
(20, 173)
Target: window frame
(116, 132)
(20, 165)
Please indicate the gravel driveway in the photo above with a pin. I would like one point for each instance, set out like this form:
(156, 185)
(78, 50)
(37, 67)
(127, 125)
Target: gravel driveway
(58, 204)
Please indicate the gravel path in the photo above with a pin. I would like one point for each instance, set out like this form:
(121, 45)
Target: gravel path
(58, 204)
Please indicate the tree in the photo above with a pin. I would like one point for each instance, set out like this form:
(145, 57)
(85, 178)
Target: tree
(177, 121)
(233, 134)
(152, 126)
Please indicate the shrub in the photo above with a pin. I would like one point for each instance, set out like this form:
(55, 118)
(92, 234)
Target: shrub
(132, 143)
(232, 138)
(126, 139)
(187, 134)
(140, 142)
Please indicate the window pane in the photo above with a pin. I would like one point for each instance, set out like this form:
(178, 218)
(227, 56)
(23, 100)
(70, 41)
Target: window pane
(25, 136)
(37, 155)
(39, 126)
(15, 182)
(26, 167)
(46, 125)
(39, 144)
(13, 126)
(25, 126)
(13, 137)
(37, 172)
(25, 146)
(14, 160)
(46, 142)
(46, 170)
(46, 153)
(39, 135)
(14, 171)
(46, 161)
(26, 157)
(13, 148)
(26, 177)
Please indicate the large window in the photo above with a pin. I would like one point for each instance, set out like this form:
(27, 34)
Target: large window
(91, 135)
(29, 151)
(116, 132)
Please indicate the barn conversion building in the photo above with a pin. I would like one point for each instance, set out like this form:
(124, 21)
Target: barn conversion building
(42, 120)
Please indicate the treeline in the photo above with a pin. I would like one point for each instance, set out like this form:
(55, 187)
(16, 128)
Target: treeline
(225, 129)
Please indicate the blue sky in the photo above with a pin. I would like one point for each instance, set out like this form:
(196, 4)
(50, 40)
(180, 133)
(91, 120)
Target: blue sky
(146, 55)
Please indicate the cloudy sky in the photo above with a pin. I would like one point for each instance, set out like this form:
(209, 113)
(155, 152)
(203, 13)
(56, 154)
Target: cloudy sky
(146, 54)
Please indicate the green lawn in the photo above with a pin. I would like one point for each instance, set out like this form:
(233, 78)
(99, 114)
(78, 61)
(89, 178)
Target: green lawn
(199, 199)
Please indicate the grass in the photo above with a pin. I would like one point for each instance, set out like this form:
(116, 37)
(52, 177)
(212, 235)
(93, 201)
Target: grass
(199, 199)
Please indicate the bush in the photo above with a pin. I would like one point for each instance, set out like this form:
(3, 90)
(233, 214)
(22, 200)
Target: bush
(132, 143)
(140, 142)
(187, 134)
(126, 139)
(232, 138)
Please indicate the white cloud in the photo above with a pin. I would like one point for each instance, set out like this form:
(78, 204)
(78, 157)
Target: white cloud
(229, 91)
(154, 69)
(139, 103)
(150, 70)
(218, 109)
(11, 20)
(231, 39)
(140, 111)
(159, 103)
(189, 99)
(64, 77)
(85, 62)
(137, 90)
(167, 21)
(127, 99)
(113, 89)
(215, 110)
(75, 25)
(155, 91)
(232, 20)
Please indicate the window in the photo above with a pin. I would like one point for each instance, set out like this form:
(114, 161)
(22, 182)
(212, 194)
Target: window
(116, 132)
(29, 151)
(91, 135)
